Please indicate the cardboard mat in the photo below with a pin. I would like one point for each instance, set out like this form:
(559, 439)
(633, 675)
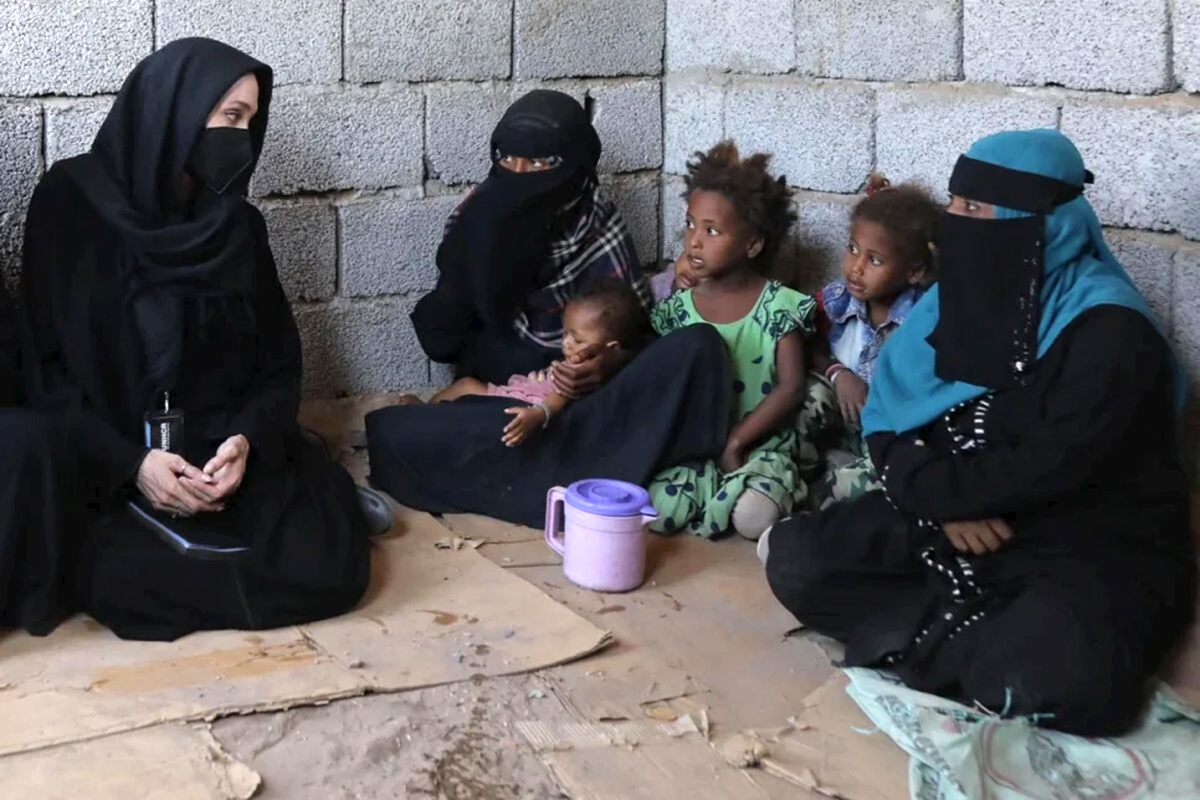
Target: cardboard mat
(433, 616)
(827, 748)
(167, 762)
(504, 543)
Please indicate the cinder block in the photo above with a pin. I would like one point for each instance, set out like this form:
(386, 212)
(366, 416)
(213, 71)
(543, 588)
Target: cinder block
(909, 40)
(628, 117)
(693, 119)
(389, 246)
(323, 139)
(1145, 155)
(419, 40)
(814, 255)
(304, 242)
(72, 46)
(1149, 258)
(1185, 23)
(440, 374)
(360, 346)
(820, 133)
(20, 147)
(12, 231)
(754, 37)
(921, 132)
(566, 38)
(71, 128)
(1185, 328)
(1081, 44)
(299, 39)
(637, 198)
(461, 118)
(673, 210)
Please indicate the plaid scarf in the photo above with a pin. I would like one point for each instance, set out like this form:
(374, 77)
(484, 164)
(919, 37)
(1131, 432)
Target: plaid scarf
(594, 243)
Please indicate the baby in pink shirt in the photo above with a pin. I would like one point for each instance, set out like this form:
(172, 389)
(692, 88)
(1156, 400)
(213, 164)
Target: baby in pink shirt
(606, 315)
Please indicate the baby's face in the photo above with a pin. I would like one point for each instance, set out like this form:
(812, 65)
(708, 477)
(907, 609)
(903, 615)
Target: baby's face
(582, 327)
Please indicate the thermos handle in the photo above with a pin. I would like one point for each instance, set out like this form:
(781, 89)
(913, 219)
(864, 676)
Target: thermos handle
(554, 519)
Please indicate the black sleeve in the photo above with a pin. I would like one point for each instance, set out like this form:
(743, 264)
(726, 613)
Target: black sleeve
(267, 415)
(9, 343)
(1112, 357)
(50, 263)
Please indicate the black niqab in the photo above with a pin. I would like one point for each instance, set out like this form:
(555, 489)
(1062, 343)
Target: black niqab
(494, 255)
(992, 264)
(134, 177)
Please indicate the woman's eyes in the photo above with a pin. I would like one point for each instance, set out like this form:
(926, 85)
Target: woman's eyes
(233, 115)
(547, 162)
(972, 206)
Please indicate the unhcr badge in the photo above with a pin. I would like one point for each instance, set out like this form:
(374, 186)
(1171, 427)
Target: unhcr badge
(164, 427)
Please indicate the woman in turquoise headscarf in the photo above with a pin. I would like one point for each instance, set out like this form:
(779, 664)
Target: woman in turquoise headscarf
(1030, 549)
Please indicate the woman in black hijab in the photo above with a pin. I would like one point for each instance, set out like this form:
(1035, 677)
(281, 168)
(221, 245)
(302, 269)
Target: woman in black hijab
(38, 538)
(523, 244)
(160, 332)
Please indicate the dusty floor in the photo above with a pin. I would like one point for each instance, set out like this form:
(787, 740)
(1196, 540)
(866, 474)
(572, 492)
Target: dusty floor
(453, 742)
(704, 632)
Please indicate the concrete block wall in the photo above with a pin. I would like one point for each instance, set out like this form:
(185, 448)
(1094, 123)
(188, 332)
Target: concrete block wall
(838, 88)
(380, 124)
(384, 108)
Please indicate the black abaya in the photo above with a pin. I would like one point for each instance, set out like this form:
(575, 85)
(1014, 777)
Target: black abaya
(98, 282)
(669, 406)
(39, 532)
(10, 348)
(38, 536)
(1070, 617)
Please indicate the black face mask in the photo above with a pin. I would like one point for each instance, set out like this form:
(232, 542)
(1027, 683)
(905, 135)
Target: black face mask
(221, 160)
(989, 299)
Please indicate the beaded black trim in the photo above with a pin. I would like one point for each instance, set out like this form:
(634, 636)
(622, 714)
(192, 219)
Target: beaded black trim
(967, 427)
(1025, 335)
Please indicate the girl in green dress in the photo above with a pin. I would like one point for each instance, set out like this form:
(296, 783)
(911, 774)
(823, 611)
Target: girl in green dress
(738, 214)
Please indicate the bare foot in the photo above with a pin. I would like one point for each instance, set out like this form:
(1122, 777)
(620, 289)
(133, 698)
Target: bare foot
(410, 400)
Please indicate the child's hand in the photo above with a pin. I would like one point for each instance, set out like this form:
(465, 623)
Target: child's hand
(851, 394)
(684, 277)
(526, 420)
(733, 458)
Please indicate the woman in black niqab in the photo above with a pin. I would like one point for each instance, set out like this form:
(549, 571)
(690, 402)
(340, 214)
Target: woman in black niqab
(149, 282)
(524, 242)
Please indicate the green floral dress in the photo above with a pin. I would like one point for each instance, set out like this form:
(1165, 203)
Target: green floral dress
(700, 499)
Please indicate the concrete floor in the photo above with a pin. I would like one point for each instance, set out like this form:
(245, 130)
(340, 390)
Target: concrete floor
(703, 632)
(704, 627)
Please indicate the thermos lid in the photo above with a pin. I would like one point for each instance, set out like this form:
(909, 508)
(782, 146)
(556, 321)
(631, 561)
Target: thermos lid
(608, 498)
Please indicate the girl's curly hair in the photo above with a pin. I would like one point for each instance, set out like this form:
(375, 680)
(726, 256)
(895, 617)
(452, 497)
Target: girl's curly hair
(762, 202)
(907, 212)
